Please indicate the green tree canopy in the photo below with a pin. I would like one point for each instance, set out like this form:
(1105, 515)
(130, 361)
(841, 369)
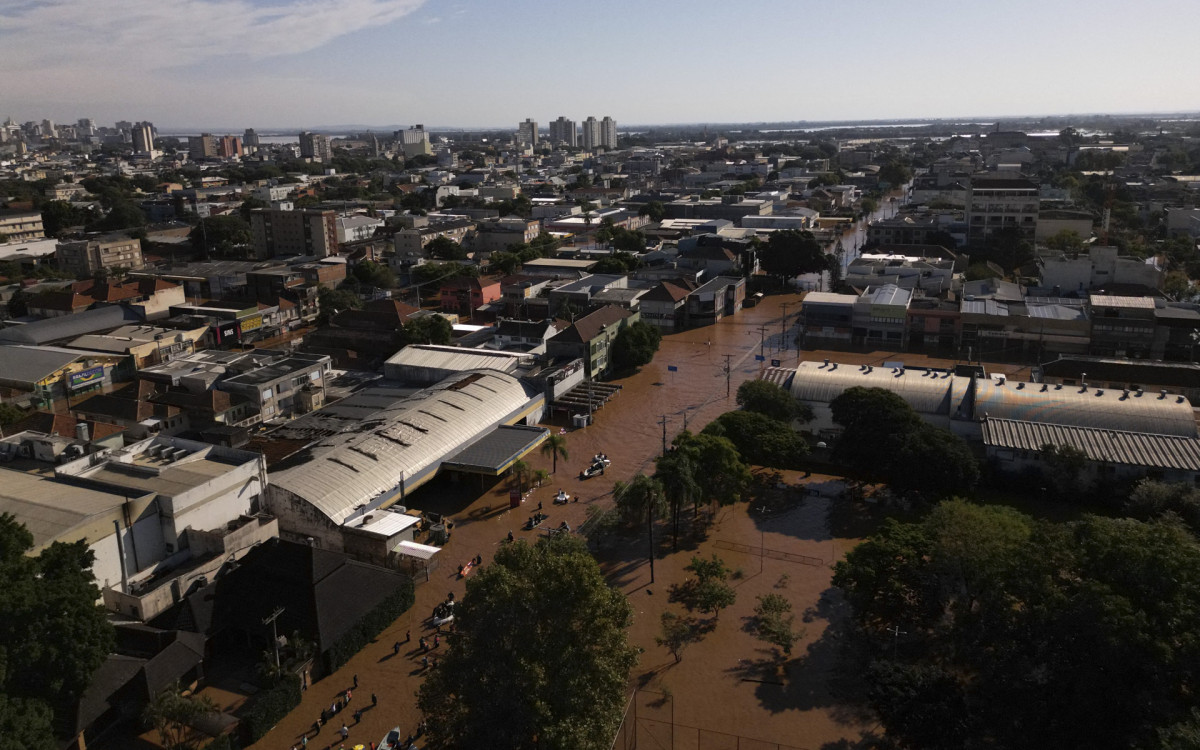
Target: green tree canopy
(555, 446)
(1009, 248)
(708, 591)
(885, 438)
(426, 329)
(444, 248)
(505, 263)
(1067, 241)
(637, 497)
(773, 401)
(58, 215)
(122, 214)
(760, 440)
(375, 274)
(226, 236)
(1022, 634)
(719, 470)
(634, 346)
(619, 262)
(431, 273)
(53, 636)
(539, 658)
(333, 301)
(1151, 500)
(677, 473)
(895, 173)
(790, 253)
(774, 623)
(677, 633)
(654, 210)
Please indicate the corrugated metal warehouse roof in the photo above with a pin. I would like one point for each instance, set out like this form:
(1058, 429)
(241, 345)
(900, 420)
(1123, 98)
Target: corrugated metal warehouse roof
(24, 366)
(496, 450)
(928, 393)
(430, 363)
(780, 376)
(402, 441)
(51, 509)
(69, 326)
(1108, 446)
(1090, 407)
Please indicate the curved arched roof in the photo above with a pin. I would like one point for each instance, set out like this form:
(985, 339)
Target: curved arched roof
(1085, 407)
(942, 394)
(401, 441)
(926, 392)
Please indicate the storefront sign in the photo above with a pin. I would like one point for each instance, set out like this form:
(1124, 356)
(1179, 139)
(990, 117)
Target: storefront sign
(226, 332)
(253, 323)
(84, 378)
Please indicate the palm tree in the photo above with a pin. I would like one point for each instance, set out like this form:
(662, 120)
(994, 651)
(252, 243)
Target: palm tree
(540, 476)
(519, 470)
(173, 714)
(641, 496)
(555, 446)
(677, 473)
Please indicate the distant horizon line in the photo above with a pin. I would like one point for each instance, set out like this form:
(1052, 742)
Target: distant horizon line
(977, 120)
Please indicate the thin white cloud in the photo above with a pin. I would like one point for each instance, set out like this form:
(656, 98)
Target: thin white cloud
(67, 35)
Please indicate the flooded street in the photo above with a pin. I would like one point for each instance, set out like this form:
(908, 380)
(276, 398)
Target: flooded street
(630, 430)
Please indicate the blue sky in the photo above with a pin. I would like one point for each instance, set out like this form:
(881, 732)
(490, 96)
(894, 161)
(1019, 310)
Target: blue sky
(230, 64)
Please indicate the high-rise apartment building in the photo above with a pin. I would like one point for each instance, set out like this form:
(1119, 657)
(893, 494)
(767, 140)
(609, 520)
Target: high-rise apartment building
(250, 140)
(203, 146)
(608, 132)
(229, 146)
(590, 135)
(307, 232)
(86, 126)
(415, 141)
(315, 146)
(527, 133)
(143, 137)
(562, 131)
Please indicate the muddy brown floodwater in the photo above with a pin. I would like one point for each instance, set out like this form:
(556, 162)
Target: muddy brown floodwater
(729, 683)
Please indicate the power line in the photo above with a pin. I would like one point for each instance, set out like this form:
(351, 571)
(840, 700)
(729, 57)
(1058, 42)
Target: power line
(271, 618)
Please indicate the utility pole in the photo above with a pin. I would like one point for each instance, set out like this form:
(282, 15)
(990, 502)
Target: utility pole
(728, 371)
(271, 618)
(650, 529)
(663, 421)
(896, 633)
(783, 324)
(762, 341)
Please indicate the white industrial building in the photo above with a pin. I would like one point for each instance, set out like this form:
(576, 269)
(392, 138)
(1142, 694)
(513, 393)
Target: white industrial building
(962, 403)
(133, 506)
(425, 364)
(368, 452)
